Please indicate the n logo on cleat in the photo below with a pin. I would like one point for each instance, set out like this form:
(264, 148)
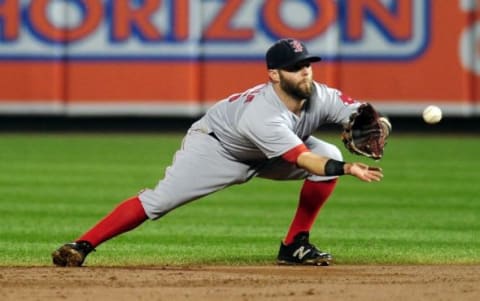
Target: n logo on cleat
(301, 252)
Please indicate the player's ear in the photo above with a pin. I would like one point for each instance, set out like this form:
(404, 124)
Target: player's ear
(274, 75)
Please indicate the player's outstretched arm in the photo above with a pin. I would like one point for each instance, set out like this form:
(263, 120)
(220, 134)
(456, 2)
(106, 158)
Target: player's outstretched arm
(324, 166)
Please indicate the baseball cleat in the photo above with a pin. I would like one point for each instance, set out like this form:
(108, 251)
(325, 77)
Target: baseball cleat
(72, 254)
(302, 252)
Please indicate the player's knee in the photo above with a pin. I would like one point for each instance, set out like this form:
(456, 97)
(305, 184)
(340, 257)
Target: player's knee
(154, 204)
(335, 153)
(331, 151)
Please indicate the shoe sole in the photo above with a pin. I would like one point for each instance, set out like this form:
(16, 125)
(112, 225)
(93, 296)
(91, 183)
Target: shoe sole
(319, 262)
(67, 257)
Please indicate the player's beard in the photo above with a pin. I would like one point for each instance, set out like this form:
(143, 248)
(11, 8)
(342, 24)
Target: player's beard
(299, 91)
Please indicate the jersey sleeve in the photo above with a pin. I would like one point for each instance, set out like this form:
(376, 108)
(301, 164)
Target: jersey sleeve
(293, 154)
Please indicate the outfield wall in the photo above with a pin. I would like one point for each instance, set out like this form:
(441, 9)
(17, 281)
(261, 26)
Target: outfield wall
(177, 57)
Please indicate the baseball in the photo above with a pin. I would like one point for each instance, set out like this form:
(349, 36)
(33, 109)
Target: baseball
(432, 114)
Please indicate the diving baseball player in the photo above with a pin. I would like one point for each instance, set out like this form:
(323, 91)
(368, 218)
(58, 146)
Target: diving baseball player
(265, 132)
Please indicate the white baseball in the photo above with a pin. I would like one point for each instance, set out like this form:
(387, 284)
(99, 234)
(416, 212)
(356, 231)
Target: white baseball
(432, 114)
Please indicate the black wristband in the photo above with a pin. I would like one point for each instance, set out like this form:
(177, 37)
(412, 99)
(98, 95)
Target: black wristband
(334, 168)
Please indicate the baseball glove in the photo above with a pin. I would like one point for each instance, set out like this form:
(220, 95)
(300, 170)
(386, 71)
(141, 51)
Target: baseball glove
(366, 132)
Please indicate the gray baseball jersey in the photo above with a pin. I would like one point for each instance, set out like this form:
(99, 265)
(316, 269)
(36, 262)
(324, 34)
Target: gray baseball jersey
(244, 136)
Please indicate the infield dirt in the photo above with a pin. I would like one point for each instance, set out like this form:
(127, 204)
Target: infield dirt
(338, 282)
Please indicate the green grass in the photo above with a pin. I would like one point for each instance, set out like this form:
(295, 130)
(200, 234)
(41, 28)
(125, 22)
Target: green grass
(55, 187)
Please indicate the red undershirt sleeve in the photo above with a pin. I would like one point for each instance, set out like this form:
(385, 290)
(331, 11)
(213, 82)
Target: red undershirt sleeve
(292, 155)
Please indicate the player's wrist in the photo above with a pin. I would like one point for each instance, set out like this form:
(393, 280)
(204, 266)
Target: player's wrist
(334, 168)
(347, 168)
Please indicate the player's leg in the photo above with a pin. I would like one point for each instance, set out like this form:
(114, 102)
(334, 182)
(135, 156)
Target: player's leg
(200, 167)
(126, 216)
(295, 248)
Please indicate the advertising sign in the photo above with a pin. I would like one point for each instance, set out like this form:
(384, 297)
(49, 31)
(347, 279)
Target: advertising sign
(177, 57)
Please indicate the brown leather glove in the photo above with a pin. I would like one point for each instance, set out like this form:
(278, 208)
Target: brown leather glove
(366, 132)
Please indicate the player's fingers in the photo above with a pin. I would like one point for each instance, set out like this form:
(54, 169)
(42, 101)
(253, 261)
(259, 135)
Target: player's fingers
(365, 173)
(374, 168)
(375, 175)
(370, 176)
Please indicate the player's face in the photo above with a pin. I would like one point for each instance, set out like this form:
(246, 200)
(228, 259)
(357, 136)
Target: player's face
(297, 81)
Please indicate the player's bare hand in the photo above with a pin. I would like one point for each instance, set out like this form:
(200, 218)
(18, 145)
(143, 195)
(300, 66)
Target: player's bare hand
(364, 172)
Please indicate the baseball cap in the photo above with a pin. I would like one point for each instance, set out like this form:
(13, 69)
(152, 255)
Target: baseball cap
(288, 52)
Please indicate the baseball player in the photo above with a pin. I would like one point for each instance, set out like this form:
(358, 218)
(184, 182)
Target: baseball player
(265, 131)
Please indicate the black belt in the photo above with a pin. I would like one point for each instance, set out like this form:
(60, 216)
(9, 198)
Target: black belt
(213, 135)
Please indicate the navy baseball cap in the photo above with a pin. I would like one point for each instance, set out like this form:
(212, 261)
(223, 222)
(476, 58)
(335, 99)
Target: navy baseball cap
(288, 52)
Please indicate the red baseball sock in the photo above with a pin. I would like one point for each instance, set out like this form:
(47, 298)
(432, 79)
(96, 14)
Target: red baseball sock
(312, 197)
(128, 215)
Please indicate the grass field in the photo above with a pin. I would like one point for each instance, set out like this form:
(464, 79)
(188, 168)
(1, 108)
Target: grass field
(54, 187)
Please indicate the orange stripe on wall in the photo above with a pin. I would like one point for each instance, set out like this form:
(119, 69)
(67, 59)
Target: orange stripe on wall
(221, 79)
(155, 82)
(28, 81)
(121, 81)
(99, 82)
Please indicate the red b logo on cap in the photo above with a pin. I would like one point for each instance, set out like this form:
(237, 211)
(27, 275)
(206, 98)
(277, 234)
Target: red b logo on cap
(296, 45)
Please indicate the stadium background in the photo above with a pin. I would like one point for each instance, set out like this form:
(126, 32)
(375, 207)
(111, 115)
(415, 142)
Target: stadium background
(157, 65)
